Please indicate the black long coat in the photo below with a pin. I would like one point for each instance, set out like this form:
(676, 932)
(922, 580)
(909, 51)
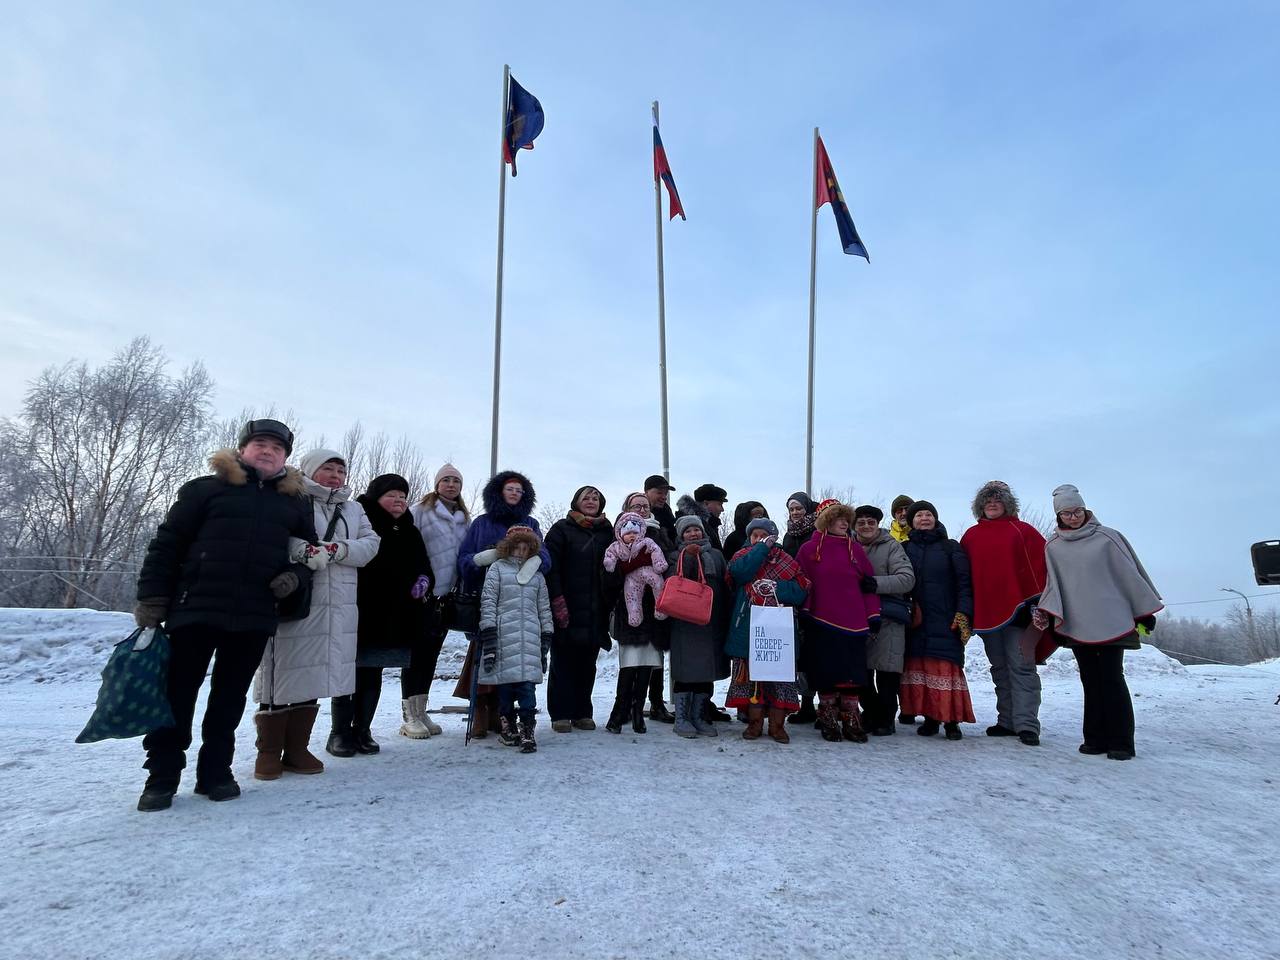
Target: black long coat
(392, 623)
(577, 574)
(943, 589)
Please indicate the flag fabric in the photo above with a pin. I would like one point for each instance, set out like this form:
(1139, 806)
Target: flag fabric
(829, 192)
(662, 171)
(524, 122)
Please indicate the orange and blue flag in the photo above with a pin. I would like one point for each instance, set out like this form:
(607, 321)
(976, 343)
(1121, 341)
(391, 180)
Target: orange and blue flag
(828, 191)
(524, 122)
(662, 171)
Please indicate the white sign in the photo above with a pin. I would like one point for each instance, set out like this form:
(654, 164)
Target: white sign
(771, 654)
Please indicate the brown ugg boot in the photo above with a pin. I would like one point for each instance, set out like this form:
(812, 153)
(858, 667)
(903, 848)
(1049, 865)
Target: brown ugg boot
(755, 723)
(271, 733)
(777, 725)
(297, 738)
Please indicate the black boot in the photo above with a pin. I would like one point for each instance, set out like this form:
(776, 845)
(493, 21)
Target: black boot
(929, 728)
(157, 794)
(657, 704)
(638, 689)
(806, 713)
(622, 700)
(222, 790)
(715, 715)
(342, 741)
(527, 723)
(366, 705)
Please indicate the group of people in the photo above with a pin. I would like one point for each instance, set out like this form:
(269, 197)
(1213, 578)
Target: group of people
(285, 581)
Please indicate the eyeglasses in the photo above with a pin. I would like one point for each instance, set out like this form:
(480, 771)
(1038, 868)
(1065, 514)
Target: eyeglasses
(1075, 514)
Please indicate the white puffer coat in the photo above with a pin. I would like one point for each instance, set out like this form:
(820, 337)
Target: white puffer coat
(316, 656)
(442, 533)
(521, 615)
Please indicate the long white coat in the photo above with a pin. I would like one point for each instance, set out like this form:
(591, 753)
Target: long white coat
(316, 657)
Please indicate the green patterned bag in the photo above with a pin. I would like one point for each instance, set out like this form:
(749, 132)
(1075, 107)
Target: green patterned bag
(133, 699)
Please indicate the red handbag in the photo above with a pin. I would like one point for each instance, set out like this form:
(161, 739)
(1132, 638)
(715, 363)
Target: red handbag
(686, 599)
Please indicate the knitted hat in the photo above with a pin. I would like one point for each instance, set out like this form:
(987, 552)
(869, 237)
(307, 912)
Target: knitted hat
(684, 523)
(385, 484)
(803, 499)
(831, 510)
(657, 482)
(762, 523)
(1066, 497)
(917, 507)
(868, 510)
(448, 470)
(629, 523)
(313, 460)
(266, 428)
(709, 491)
(900, 501)
(573, 504)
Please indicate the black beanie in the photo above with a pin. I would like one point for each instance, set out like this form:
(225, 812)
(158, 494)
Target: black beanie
(386, 483)
(868, 510)
(573, 504)
(917, 507)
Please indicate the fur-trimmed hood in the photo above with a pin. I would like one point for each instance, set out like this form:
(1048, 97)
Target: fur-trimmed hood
(686, 506)
(629, 519)
(999, 490)
(230, 469)
(498, 508)
(516, 535)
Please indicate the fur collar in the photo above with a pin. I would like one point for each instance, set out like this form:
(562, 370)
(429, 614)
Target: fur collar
(686, 506)
(227, 467)
(499, 509)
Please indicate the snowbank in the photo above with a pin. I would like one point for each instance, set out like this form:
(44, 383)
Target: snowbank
(62, 645)
(1146, 662)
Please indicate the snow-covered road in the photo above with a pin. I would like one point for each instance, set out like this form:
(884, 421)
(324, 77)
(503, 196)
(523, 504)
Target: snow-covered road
(646, 846)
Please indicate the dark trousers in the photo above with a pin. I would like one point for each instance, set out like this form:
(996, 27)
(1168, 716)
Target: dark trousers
(570, 681)
(694, 686)
(416, 678)
(656, 692)
(880, 696)
(355, 711)
(1108, 709)
(235, 657)
(522, 694)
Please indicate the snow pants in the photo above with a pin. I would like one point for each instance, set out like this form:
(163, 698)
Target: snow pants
(1108, 708)
(1017, 682)
(235, 659)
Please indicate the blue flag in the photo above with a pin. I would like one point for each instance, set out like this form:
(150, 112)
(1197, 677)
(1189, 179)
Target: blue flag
(524, 122)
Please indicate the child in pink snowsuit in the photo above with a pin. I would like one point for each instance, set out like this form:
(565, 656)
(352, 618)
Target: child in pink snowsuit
(641, 560)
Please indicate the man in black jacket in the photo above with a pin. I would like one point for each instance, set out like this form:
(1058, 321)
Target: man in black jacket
(658, 489)
(213, 574)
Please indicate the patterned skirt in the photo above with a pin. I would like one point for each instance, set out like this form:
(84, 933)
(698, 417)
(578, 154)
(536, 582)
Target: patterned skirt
(935, 689)
(770, 694)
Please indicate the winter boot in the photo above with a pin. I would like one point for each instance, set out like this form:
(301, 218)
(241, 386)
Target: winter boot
(584, 723)
(714, 714)
(684, 723)
(298, 757)
(622, 700)
(996, 730)
(366, 703)
(777, 725)
(342, 740)
(1120, 753)
(806, 713)
(510, 734)
(527, 723)
(480, 717)
(1029, 738)
(657, 704)
(562, 726)
(433, 728)
(755, 723)
(907, 718)
(638, 691)
(953, 731)
(851, 720)
(698, 713)
(157, 794)
(829, 717)
(1091, 749)
(928, 728)
(271, 726)
(414, 711)
(217, 792)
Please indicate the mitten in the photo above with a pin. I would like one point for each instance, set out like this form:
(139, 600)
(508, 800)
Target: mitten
(421, 587)
(283, 584)
(528, 569)
(873, 626)
(150, 612)
(1039, 619)
(868, 583)
(960, 623)
(1146, 625)
(546, 649)
(311, 556)
(560, 612)
(337, 551)
(485, 557)
(770, 541)
(489, 646)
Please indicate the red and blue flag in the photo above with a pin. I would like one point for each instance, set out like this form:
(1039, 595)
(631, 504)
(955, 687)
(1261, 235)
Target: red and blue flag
(662, 171)
(828, 191)
(524, 122)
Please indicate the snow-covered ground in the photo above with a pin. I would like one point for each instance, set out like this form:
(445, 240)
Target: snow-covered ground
(651, 846)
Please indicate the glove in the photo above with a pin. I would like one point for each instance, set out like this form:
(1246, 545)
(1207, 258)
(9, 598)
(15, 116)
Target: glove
(1146, 625)
(312, 557)
(489, 644)
(1039, 619)
(485, 557)
(421, 587)
(693, 548)
(868, 584)
(337, 551)
(546, 649)
(150, 612)
(770, 541)
(283, 584)
(960, 623)
(560, 612)
(528, 569)
(873, 626)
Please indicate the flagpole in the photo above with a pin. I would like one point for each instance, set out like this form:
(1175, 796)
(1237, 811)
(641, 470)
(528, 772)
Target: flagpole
(497, 317)
(813, 286)
(662, 322)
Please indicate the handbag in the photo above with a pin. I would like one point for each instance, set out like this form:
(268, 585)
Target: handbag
(134, 698)
(684, 598)
(460, 610)
(894, 608)
(297, 605)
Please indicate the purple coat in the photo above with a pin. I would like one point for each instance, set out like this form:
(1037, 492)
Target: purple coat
(835, 567)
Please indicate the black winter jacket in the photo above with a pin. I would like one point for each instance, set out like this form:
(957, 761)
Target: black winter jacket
(389, 617)
(222, 542)
(577, 574)
(737, 539)
(943, 589)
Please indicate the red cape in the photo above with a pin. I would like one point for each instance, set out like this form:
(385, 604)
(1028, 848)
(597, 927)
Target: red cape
(1006, 557)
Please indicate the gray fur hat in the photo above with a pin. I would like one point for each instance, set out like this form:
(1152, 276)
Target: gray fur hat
(685, 522)
(995, 490)
(1066, 497)
(762, 523)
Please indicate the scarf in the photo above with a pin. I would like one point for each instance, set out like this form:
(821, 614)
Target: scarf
(899, 532)
(802, 529)
(450, 505)
(582, 520)
(778, 565)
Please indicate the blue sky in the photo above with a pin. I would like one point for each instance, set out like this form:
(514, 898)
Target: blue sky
(1069, 210)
